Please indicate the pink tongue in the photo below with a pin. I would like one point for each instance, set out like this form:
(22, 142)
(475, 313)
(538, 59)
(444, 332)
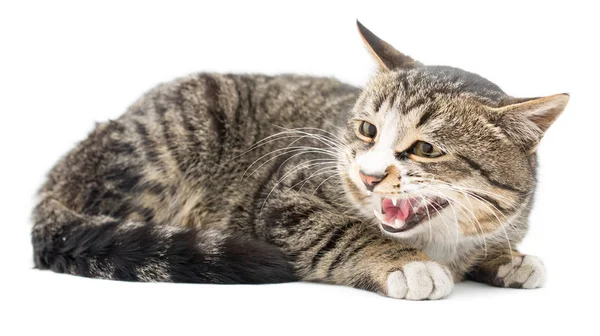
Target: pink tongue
(401, 210)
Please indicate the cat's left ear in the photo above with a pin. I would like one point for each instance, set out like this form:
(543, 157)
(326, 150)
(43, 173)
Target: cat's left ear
(387, 56)
(526, 120)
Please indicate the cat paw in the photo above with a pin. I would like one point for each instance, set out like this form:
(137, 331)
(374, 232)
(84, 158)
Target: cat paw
(420, 280)
(522, 272)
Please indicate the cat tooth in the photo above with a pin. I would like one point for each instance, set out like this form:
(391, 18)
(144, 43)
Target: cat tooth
(378, 215)
(368, 193)
(394, 201)
(398, 224)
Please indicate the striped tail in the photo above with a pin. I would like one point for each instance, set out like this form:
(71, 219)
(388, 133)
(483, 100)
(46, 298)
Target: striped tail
(101, 247)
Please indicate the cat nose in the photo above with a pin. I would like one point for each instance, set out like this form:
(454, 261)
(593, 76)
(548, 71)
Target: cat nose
(371, 181)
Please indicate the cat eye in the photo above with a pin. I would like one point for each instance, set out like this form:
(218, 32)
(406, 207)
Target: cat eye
(425, 149)
(367, 129)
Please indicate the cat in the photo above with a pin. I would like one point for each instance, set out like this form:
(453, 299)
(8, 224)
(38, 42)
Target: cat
(423, 178)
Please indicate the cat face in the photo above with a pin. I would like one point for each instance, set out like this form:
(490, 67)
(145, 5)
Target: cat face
(433, 148)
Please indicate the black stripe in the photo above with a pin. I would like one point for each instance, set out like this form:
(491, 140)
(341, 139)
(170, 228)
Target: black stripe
(365, 282)
(289, 215)
(393, 99)
(257, 198)
(405, 84)
(313, 244)
(167, 134)
(242, 260)
(359, 248)
(216, 111)
(125, 177)
(338, 258)
(101, 201)
(334, 238)
(418, 102)
(251, 110)
(188, 124)
(146, 213)
(378, 101)
(298, 177)
(154, 188)
(138, 246)
(125, 209)
(396, 253)
(92, 199)
(149, 146)
(487, 175)
(489, 200)
(238, 121)
(405, 87)
(123, 149)
(121, 210)
(426, 115)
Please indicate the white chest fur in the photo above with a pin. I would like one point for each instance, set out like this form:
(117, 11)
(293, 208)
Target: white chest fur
(449, 246)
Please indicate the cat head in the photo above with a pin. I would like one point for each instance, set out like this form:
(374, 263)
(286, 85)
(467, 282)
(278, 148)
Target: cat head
(433, 145)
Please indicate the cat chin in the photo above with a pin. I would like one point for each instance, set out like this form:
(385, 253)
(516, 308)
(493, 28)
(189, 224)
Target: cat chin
(413, 233)
(398, 234)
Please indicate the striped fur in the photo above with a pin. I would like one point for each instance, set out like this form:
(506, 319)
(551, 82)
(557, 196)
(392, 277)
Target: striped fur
(223, 178)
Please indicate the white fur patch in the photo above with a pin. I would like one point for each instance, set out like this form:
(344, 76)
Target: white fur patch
(420, 280)
(396, 285)
(523, 272)
(375, 161)
(381, 156)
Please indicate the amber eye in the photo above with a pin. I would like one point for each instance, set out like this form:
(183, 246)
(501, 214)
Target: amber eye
(425, 149)
(367, 129)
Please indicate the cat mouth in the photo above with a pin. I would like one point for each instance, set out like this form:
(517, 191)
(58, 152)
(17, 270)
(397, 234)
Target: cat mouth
(401, 215)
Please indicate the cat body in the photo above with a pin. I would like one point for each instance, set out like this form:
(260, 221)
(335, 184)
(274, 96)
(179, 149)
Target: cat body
(420, 179)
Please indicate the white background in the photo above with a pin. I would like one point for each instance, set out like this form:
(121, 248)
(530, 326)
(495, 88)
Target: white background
(64, 66)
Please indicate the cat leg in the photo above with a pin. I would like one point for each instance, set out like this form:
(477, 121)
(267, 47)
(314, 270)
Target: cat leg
(513, 270)
(327, 247)
(368, 260)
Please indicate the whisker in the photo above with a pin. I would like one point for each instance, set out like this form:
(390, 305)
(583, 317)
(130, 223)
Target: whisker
(452, 201)
(282, 179)
(469, 196)
(334, 169)
(292, 134)
(325, 180)
(334, 139)
(486, 192)
(302, 150)
(428, 216)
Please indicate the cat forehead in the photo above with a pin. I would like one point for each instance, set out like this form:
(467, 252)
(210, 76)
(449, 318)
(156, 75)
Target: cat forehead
(428, 83)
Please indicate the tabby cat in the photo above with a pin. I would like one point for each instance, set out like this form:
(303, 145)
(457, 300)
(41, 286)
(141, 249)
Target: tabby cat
(422, 178)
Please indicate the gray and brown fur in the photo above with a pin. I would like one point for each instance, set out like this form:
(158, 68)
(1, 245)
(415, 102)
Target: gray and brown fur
(222, 178)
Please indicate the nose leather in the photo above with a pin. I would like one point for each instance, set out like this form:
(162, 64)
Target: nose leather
(371, 181)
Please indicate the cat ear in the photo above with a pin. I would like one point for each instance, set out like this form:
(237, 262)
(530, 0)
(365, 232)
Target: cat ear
(528, 119)
(387, 56)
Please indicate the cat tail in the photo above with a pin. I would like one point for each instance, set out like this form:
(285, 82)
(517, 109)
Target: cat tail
(102, 247)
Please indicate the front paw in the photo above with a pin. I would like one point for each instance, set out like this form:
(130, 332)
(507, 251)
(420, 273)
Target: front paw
(522, 272)
(420, 280)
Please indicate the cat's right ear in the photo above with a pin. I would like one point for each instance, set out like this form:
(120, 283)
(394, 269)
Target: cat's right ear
(387, 56)
(527, 119)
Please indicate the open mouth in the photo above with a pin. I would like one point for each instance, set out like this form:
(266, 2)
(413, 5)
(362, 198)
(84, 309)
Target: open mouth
(401, 215)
